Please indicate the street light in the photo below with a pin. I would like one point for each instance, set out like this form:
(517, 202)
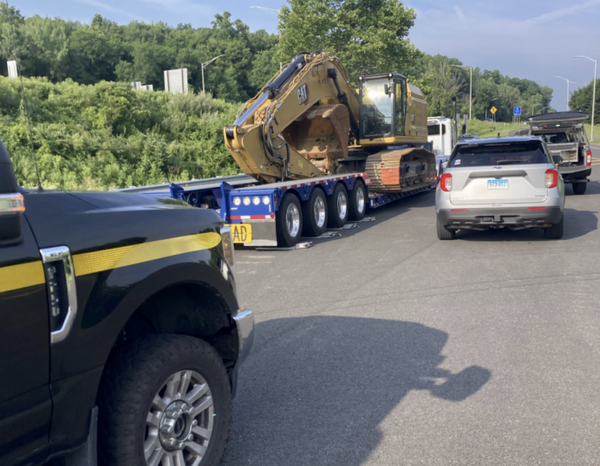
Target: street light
(276, 13)
(470, 87)
(206, 64)
(594, 94)
(568, 93)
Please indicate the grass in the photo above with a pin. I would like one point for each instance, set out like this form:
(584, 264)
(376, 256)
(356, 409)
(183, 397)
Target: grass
(588, 131)
(488, 129)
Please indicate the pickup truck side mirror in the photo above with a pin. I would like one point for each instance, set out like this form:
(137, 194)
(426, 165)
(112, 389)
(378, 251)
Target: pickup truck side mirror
(557, 159)
(11, 201)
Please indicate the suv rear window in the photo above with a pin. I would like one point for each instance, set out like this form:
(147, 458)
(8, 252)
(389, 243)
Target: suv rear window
(507, 153)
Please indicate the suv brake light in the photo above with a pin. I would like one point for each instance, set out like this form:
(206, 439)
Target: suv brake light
(446, 182)
(588, 158)
(551, 178)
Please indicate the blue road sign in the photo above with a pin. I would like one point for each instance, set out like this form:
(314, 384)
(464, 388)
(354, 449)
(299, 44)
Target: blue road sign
(517, 110)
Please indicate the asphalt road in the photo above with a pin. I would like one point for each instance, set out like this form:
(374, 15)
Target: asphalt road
(389, 347)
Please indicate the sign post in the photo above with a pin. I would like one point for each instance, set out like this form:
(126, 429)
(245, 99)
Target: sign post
(517, 114)
(494, 110)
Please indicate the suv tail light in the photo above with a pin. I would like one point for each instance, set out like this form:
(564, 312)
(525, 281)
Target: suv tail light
(588, 158)
(551, 178)
(446, 182)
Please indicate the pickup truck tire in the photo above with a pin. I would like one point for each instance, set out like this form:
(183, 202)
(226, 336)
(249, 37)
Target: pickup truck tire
(443, 233)
(337, 205)
(315, 213)
(579, 188)
(164, 400)
(358, 201)
(288, 221)
(555, 231)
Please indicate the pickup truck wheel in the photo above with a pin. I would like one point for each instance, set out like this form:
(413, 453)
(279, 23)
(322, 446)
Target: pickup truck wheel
(289, 221)
(315, 213)
(165, 400)
(555, 231)
(443, 233)
(579, 188)
(337, 205)
(358, 201)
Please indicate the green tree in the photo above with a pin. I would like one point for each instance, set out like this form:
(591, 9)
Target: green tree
(368, 36)
(581, 100)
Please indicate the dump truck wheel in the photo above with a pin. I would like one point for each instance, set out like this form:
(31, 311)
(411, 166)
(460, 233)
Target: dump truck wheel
(289, 221)
(315, 213)
(337, 205)
(358, 201)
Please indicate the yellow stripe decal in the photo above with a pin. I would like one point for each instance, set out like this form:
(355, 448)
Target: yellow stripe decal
(108, 259)
(15, 277)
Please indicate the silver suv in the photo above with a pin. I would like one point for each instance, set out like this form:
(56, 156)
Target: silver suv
(500, 183)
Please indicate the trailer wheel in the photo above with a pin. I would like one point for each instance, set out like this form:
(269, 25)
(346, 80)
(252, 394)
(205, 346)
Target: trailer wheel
(315, 214)
(579, 188)
(337, 205)
(289, 221)
(358, 201)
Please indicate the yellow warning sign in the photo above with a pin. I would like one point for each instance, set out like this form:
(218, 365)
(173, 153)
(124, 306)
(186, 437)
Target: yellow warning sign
(493, 110)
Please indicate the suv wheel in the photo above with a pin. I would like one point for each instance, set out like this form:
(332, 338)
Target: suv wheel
(164, 400)
(443, 233)
(555, 231)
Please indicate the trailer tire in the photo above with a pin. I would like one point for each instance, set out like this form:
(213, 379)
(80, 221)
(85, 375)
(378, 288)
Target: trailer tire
(579, 188)
(358, 201)
(315, 213)
(337, 205)
(288, 221)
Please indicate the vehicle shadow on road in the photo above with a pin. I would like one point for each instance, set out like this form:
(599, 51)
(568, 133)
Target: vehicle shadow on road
(578, 223)
(315, 390)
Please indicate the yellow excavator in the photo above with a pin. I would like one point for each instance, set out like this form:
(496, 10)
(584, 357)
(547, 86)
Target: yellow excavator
(310, 121)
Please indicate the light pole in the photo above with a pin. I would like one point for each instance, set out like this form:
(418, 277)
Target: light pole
(594, 93)
(206, 64)
(568, 93)
(276, 13)
(470, 88)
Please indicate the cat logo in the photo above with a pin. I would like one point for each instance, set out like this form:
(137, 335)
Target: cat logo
(303, 95)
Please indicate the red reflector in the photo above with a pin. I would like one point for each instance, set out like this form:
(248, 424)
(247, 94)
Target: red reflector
(588, 158)
(536, 208)
(459, 210)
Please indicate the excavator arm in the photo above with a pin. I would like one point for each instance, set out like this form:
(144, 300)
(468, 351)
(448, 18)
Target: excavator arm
(299, 123)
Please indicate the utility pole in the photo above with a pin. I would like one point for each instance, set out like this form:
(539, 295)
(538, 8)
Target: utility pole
(568, 93)
(276, 13)
(594, 92)
(206, 64)
(470, 88)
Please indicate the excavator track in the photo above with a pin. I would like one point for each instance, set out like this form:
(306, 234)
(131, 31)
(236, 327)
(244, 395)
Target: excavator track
(401, 170)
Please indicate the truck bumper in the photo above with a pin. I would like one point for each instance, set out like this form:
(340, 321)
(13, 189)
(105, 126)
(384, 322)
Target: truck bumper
(574, 173)
(244, 323)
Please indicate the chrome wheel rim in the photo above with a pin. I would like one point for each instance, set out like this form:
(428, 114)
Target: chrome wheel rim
(360, 200)
(319, 212)
(342, 205)
(292, 220)
(179, 424)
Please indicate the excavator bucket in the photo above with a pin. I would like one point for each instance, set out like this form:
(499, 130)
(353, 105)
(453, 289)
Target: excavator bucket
(401, 170)
(321, 135)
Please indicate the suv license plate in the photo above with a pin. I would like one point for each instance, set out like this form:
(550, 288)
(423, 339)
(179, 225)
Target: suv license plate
(241, 233)
(497, 184)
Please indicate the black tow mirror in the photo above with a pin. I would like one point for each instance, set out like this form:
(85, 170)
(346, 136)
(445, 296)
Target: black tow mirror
(557, 159)
(12, 203)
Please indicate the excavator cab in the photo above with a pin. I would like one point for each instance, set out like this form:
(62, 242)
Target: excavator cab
(382, 106)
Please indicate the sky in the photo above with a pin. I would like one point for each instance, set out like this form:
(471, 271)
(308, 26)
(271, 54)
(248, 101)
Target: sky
(530, 39)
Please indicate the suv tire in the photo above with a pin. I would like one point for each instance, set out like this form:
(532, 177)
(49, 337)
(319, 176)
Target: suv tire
(443, 233)
(555, 231)
(162, 383)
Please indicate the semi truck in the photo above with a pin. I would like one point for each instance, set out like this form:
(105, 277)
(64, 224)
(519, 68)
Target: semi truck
(316, 152)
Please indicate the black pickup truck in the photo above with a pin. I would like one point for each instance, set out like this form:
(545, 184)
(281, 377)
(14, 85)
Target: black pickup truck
(120, 332)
